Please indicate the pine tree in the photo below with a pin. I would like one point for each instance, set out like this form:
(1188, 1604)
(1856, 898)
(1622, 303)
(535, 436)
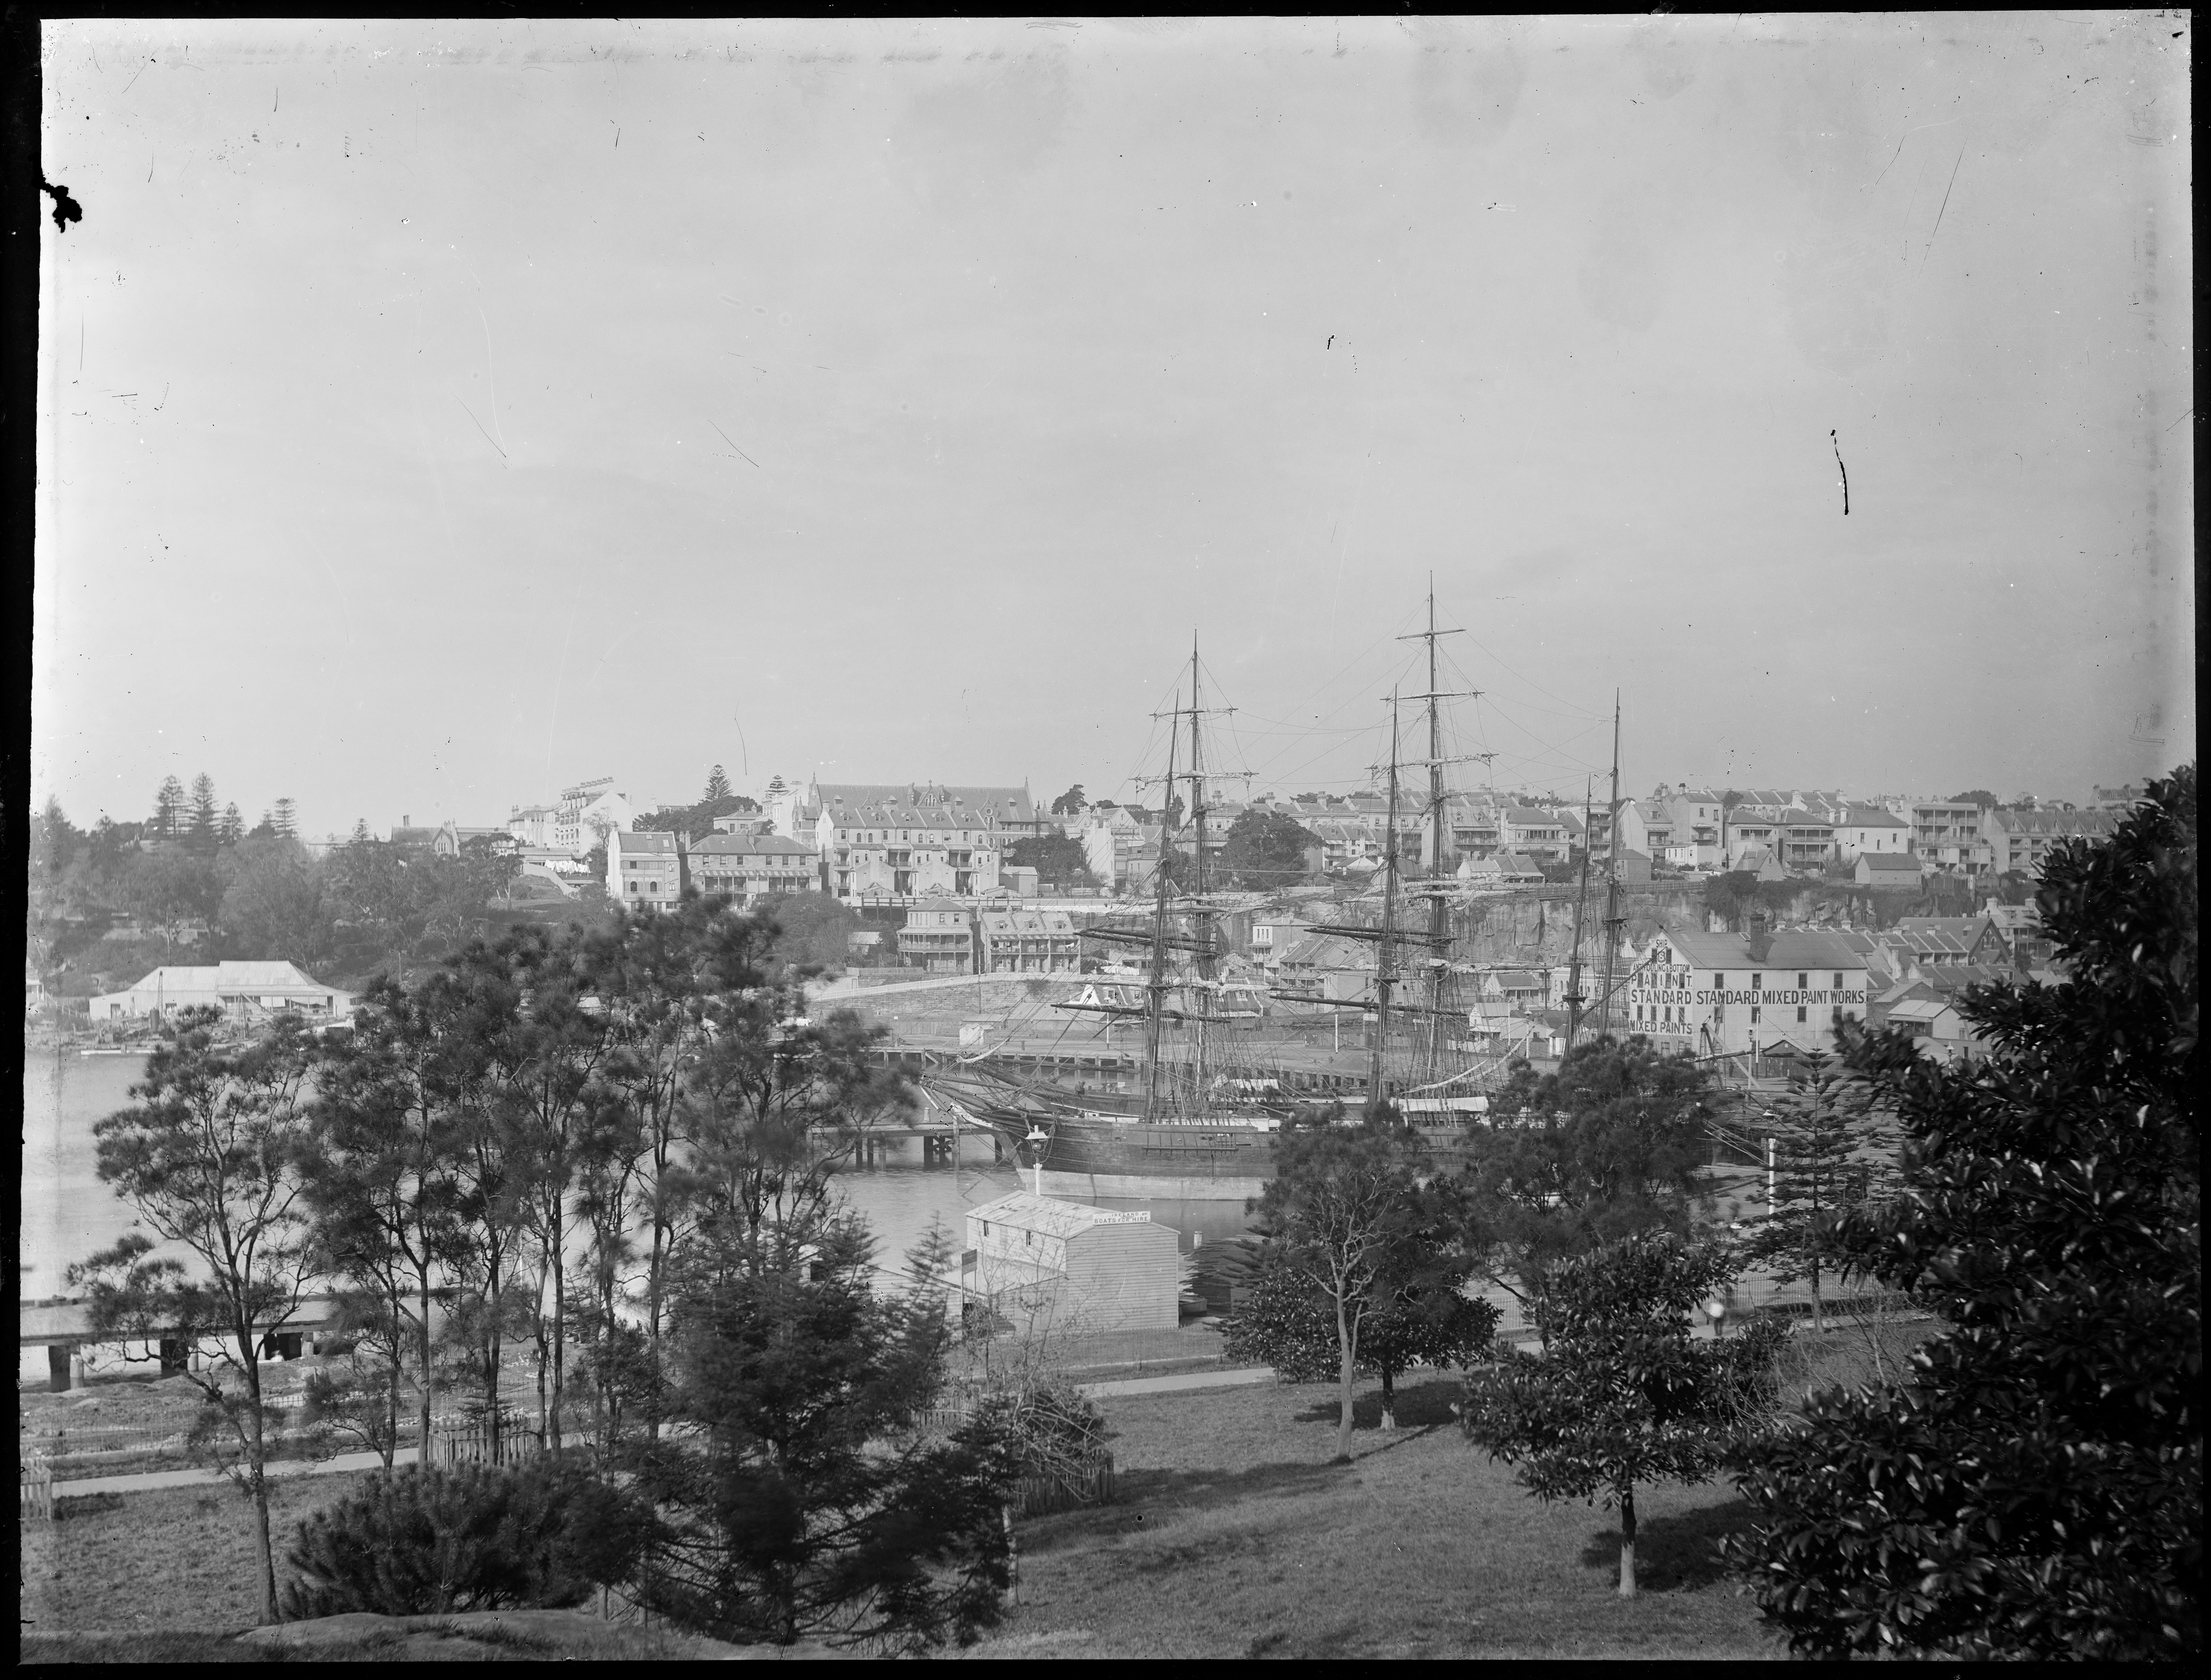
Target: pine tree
(168, 806)
(1819, 1146)
(360, 830)
(286, 820)
(203, 814)
(717, 784)
(232, 826)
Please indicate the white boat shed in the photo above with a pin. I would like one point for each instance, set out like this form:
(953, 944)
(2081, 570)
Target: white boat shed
(1033, 1259)
(240, 989)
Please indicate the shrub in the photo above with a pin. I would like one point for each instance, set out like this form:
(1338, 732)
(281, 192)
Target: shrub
(426, 1543)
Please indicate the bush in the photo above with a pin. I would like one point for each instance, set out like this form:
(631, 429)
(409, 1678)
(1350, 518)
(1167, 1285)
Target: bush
(426, 1543)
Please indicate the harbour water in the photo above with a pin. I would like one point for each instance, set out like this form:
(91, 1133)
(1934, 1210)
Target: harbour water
(68, 1214)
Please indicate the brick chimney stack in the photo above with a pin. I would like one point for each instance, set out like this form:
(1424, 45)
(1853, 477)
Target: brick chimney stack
(1761, 936)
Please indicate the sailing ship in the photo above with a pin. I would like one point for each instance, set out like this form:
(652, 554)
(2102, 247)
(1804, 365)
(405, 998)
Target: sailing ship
(1210, 1098)
(1202, 1126)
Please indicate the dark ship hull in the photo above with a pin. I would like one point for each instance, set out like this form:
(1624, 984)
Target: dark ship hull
(1094, 1153)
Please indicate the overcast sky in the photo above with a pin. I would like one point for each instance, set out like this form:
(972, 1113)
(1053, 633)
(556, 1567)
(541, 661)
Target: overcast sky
(438, 414)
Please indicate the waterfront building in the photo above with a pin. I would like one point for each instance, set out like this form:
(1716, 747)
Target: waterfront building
(1079, 1270)
(242, 990)
(1723, 994)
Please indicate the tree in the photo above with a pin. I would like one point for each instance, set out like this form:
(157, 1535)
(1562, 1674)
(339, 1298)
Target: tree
(1265, 848)
(1610, 1145)
(1415, 1312)
(806, 933)
(1980, 796)
(275, 905)
(797, 1498)
(1058, 860)
(1070, 803)
(717, 784)
(232, 828)
(169, 807)
(1821, 1133)
(2035, 1489)
(1343, 1204)
(1622, 1394)
(169, 887)
(208, 1155)
(201, 833)
(285, 819)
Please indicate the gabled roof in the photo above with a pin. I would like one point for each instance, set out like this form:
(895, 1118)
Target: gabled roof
(1791, 948)
(1872, 816)
(650, 840)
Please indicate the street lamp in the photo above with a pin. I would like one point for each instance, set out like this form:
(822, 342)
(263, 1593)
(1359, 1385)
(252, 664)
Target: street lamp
(1715, 1309)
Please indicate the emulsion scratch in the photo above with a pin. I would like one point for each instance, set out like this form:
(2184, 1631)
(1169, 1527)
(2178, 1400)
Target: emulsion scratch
(487, 437)
(1945, 205)
(1844, 471)
(732, 443)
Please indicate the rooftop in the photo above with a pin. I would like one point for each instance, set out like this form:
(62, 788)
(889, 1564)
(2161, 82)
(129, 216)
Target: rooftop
(1025, 1212)
(1791, 947)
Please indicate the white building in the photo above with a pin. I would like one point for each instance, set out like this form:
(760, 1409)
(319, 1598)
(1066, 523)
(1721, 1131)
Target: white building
(245, 990)
(1079, 1270)
(645, 871)
(1869, 828)
(1720, 993)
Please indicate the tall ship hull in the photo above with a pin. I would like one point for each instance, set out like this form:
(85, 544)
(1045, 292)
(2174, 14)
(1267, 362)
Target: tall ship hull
(1204, 1158)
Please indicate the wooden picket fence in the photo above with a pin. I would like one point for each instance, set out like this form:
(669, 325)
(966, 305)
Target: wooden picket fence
(38, 1496)
(470, 1442)
(1041, 1495)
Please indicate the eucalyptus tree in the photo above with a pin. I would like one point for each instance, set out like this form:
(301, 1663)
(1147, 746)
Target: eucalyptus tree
(209, 1154)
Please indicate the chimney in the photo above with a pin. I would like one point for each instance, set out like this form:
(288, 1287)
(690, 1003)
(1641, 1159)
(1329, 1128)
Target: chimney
(406, 821)
(1760, 937)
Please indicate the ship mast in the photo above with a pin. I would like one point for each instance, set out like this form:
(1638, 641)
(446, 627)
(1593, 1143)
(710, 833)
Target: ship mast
(1384, 954)
(1574, 998)
(1202, 917)
(1158, 983)
(1612, 917)
(1438, 844)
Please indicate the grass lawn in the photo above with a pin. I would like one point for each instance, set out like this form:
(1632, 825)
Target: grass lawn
(1234, 1536)
(176, 1559)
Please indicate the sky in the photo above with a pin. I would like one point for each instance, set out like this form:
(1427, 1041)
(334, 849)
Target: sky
(435, 415)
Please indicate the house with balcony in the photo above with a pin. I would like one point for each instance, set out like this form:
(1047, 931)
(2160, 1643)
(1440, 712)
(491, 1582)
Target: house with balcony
(1026, 941)
(893, 844)
(2021, 842)
(938, 937)
(1534, 831)
(1947, 832)
(750, 867)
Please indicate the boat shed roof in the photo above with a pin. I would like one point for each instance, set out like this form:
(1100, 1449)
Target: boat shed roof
(1048, 1217)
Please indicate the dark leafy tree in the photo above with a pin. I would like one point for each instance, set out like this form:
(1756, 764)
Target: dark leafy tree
(1610, 1145)
(810, 932)
(170, 886)
(1980, 796)
(208, 1155)
(275, 905)
(2036, 1488)
(1415, 1313)
(1070, 803)
(1343, 1211)
(1623, 1393)
(1058, 860)
(1265, 848)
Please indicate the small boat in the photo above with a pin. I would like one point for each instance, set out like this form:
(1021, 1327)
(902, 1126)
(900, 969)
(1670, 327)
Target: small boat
(103, 1050)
